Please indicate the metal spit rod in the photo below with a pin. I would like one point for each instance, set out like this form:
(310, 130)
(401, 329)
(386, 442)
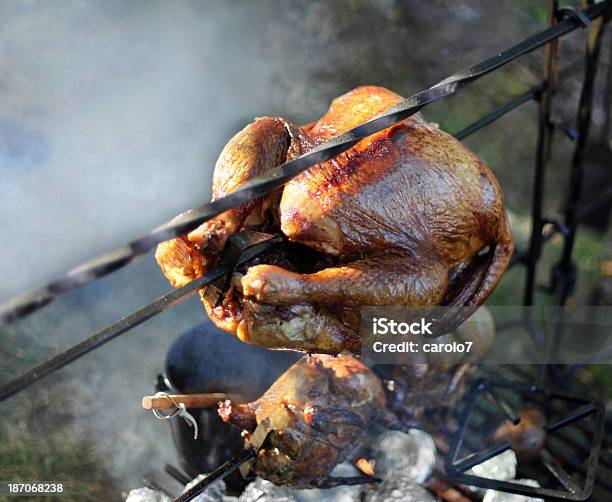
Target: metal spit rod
(275, 178)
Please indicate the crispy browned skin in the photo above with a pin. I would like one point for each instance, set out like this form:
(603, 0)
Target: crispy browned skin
(319, 411)
(411, 215)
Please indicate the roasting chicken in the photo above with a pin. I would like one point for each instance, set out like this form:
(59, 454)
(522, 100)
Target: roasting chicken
(318, 412)
(406, 217)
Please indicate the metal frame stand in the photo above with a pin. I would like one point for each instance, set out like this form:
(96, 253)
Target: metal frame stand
(456, 469)
(563, 278)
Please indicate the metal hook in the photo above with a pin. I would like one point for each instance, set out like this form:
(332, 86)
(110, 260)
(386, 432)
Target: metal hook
(576, 14)
(179, 409)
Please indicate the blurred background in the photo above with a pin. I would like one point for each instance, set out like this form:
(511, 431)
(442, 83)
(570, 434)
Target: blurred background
(112, 115)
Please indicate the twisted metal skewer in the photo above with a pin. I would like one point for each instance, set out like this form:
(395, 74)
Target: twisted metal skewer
(151, 309)
(108, 262)
(243, 247)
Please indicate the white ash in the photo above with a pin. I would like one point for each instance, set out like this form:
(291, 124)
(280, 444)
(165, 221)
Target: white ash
(147, 495)
(261, 490)
(214, 493)
(339, 493)
(501, 467)
(410, 455)
(403, 461)
(398, 488)
(495, 496)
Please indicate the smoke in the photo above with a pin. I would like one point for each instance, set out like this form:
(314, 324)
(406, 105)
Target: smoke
(111, 118)
(112, 115)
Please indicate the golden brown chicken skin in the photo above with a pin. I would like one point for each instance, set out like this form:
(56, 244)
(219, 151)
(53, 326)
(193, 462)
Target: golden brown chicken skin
(318, 411)
(409, 215)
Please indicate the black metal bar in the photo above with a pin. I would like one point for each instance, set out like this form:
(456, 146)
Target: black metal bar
(575, 464)
(220, 472)
(481, 456)
(583, 411)
(579, 466)
(560, 434)
(275, 178)
(513, 103)
(360, 479)
(545, 130)
(463, 420)
(500, 111)
(568, 440)
(566, 266)
(177, 474)
(126, 323)
(524, 374)
(505, 408)
(457, 471)
(564, 272)
(555, 468)
(468, 492)
(514, 487)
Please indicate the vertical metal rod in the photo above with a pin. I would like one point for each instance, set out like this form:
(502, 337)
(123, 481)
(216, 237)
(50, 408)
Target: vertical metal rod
(177, 474)
(545, 131)
(565, 270)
